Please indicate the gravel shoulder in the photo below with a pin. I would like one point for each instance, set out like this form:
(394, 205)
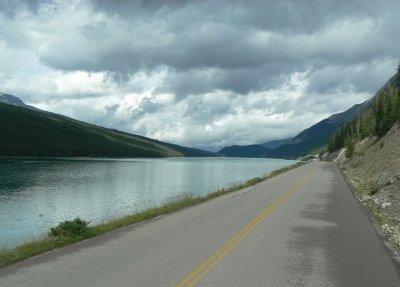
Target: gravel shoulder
(374, 175)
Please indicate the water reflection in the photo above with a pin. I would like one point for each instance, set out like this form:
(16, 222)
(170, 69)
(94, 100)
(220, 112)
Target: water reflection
(37, 194)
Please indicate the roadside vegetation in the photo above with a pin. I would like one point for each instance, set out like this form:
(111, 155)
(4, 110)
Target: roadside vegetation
(69, 232)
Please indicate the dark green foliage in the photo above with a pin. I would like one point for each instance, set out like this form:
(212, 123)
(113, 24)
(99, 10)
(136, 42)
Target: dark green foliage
(377, 120)
(373, 189)
(32, 133)
(77, 227)
(349, 149)
(308, 141)
(367, 124)
(384, 113)
(340, 138)
(246, 151)
(275, 143)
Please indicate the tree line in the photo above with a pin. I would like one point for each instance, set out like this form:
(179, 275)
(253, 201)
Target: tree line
(375, 121)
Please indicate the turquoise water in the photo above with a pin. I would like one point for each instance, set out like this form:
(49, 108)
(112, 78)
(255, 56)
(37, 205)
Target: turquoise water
(38, 194)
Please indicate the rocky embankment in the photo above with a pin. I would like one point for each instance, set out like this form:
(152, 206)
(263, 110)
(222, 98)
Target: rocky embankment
(374, 173)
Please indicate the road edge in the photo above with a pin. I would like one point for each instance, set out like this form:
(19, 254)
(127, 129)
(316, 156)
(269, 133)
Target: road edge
(115, 227)
(383, 238)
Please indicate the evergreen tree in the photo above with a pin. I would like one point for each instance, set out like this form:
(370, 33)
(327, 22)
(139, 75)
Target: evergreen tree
(379, 109)
(349, 148)
(397, 105)
(377, 120)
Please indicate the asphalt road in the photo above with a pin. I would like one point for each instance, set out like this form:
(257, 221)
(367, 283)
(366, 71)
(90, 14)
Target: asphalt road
(302, 228)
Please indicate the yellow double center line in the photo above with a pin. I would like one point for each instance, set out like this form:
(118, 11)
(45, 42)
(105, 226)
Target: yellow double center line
(221, 253)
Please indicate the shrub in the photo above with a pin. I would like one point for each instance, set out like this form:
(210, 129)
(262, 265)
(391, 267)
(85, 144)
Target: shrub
(69, 228)
(373, 189)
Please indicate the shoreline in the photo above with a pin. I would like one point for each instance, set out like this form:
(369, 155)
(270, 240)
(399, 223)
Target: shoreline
(38, 247)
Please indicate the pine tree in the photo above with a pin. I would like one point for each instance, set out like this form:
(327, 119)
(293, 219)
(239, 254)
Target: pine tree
(397, 105)
(377, 120)
(379, 110)
(349, 148)
(331, 144)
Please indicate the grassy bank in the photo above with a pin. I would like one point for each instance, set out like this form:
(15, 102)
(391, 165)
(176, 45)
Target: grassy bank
(9, 256)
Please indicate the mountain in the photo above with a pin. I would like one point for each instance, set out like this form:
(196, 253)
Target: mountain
(274, 144)
(310, 140)
(314, 138)
(377, 120)
(254, 150)
(26, 131)
(246, 151)
(317, 136)
(12, 100)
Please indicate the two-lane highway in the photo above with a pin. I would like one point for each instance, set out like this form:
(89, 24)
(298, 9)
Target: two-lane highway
(302, 228)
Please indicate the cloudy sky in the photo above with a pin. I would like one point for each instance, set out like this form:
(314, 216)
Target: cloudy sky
(205, 73)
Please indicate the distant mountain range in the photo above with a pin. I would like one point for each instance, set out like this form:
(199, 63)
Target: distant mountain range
(311, 140)
(274, 144)
(246, 151)
(28, 131)
(316, 137)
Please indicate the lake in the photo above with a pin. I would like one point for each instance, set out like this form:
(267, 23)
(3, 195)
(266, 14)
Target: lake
(36, 194)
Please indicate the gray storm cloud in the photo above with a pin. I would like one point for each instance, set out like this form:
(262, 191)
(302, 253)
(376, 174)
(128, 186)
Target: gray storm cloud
(199, 73)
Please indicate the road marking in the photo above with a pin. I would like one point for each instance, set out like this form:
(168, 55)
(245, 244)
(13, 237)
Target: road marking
(221, 253)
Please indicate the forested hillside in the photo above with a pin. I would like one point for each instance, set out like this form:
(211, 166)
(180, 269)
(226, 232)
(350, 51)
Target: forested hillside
(25, 132)
(375, 121)
(246, 151)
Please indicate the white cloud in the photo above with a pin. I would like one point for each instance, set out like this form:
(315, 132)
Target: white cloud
(197, 73)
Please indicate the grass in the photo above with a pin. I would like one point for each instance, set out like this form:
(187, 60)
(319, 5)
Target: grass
(34, 248)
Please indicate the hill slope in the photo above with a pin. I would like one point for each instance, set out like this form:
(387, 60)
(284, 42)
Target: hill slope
(308, 141)
(317, 136)
(246, 151)
(26, 132)
(376, 120)
(312, 139)
(274, 144)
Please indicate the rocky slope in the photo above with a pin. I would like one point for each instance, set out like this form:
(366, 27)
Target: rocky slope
(374, 173)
